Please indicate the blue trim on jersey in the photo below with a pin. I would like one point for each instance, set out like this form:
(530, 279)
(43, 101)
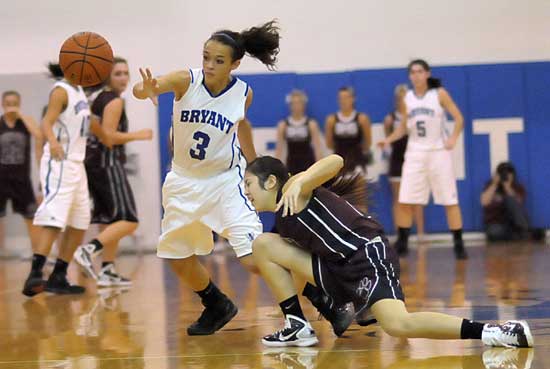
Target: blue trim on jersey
(58, 183)
(230, 84)
(246, 91)
(48, 177)
(192, 77)
(241, 191)
(232, 150)
(64, 126)
(50, 163)
(61, 168)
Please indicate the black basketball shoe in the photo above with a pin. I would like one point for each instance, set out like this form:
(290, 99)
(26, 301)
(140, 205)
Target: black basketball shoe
(34, 285)
(213, 318)
(460, 251)
(339, 316)
(58, 284)
(401, 247)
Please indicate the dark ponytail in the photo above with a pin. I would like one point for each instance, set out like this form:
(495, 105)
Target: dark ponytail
(352, 188)
(55, 70)
(260, 42)
(432, 82)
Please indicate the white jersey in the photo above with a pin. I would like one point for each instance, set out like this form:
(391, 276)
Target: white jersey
(425, 121)
(72, 126)
(205, 127)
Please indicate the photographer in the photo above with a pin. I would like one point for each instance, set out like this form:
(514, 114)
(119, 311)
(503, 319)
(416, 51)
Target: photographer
(503, 200)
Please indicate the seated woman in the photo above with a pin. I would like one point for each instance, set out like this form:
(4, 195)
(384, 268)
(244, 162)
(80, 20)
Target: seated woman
(503, 199)
(327, 241)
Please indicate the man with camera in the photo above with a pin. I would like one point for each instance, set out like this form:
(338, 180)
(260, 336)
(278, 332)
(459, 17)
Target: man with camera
(503, 200)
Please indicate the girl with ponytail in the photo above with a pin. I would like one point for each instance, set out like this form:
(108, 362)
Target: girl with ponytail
(428, 165)
(325, 240)
(212, 142)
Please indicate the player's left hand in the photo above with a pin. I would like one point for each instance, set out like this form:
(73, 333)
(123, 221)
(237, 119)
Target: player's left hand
(450, 143)
(289, 200)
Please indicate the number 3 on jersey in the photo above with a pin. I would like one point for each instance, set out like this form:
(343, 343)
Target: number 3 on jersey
(199, 152)
(421, 128)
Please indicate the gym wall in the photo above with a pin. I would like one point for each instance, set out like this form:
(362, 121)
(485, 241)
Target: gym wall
(362, 35)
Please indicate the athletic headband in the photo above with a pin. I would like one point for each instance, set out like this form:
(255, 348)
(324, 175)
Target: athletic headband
(227, 37)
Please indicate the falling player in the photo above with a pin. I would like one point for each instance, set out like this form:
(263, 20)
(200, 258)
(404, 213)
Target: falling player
(346, 253)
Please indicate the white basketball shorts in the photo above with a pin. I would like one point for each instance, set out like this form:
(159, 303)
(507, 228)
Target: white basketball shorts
(66, 199)
(425, 172)
(194, 207)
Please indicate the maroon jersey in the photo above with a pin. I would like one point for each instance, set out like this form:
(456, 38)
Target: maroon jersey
(15, 149)
(97, 154)
(348, 141)
(398, 148)
(329, 226)
(300, 152)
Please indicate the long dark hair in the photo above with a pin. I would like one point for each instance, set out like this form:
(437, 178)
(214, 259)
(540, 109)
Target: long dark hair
(432, 82)
(260, 42)
(350, 188)
(504, 169)
(55, 70)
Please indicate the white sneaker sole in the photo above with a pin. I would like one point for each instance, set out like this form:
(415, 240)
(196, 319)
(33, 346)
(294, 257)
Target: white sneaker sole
(302, 342)
(113, 284)
(527, 331)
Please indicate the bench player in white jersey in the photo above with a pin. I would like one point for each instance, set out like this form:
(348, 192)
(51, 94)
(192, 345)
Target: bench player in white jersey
(204, 192)
(428, 159)
(65, 205)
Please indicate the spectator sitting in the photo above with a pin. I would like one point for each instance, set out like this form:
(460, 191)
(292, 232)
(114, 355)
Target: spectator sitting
(503, 199)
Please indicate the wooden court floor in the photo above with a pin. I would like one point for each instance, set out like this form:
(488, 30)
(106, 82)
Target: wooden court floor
(144, 327)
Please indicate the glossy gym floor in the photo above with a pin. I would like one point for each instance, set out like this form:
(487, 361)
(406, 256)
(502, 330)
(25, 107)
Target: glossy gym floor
(145, 326)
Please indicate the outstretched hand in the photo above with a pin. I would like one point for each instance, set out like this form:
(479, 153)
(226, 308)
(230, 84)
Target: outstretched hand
(149, 85)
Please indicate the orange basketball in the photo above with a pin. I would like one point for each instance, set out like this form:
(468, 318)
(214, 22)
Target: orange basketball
(86, 59)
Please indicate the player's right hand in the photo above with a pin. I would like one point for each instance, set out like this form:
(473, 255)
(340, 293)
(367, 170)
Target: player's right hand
(149, 85)
(56, 151)
(383, 144)
(145, 134)
(289, 199)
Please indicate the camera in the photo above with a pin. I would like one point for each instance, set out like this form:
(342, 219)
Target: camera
(504, 170)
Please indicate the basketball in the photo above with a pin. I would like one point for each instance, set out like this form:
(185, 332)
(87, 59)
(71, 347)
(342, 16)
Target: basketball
(86, 59)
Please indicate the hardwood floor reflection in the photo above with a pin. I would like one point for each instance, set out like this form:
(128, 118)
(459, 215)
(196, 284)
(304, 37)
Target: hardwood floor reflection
(145, 326)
